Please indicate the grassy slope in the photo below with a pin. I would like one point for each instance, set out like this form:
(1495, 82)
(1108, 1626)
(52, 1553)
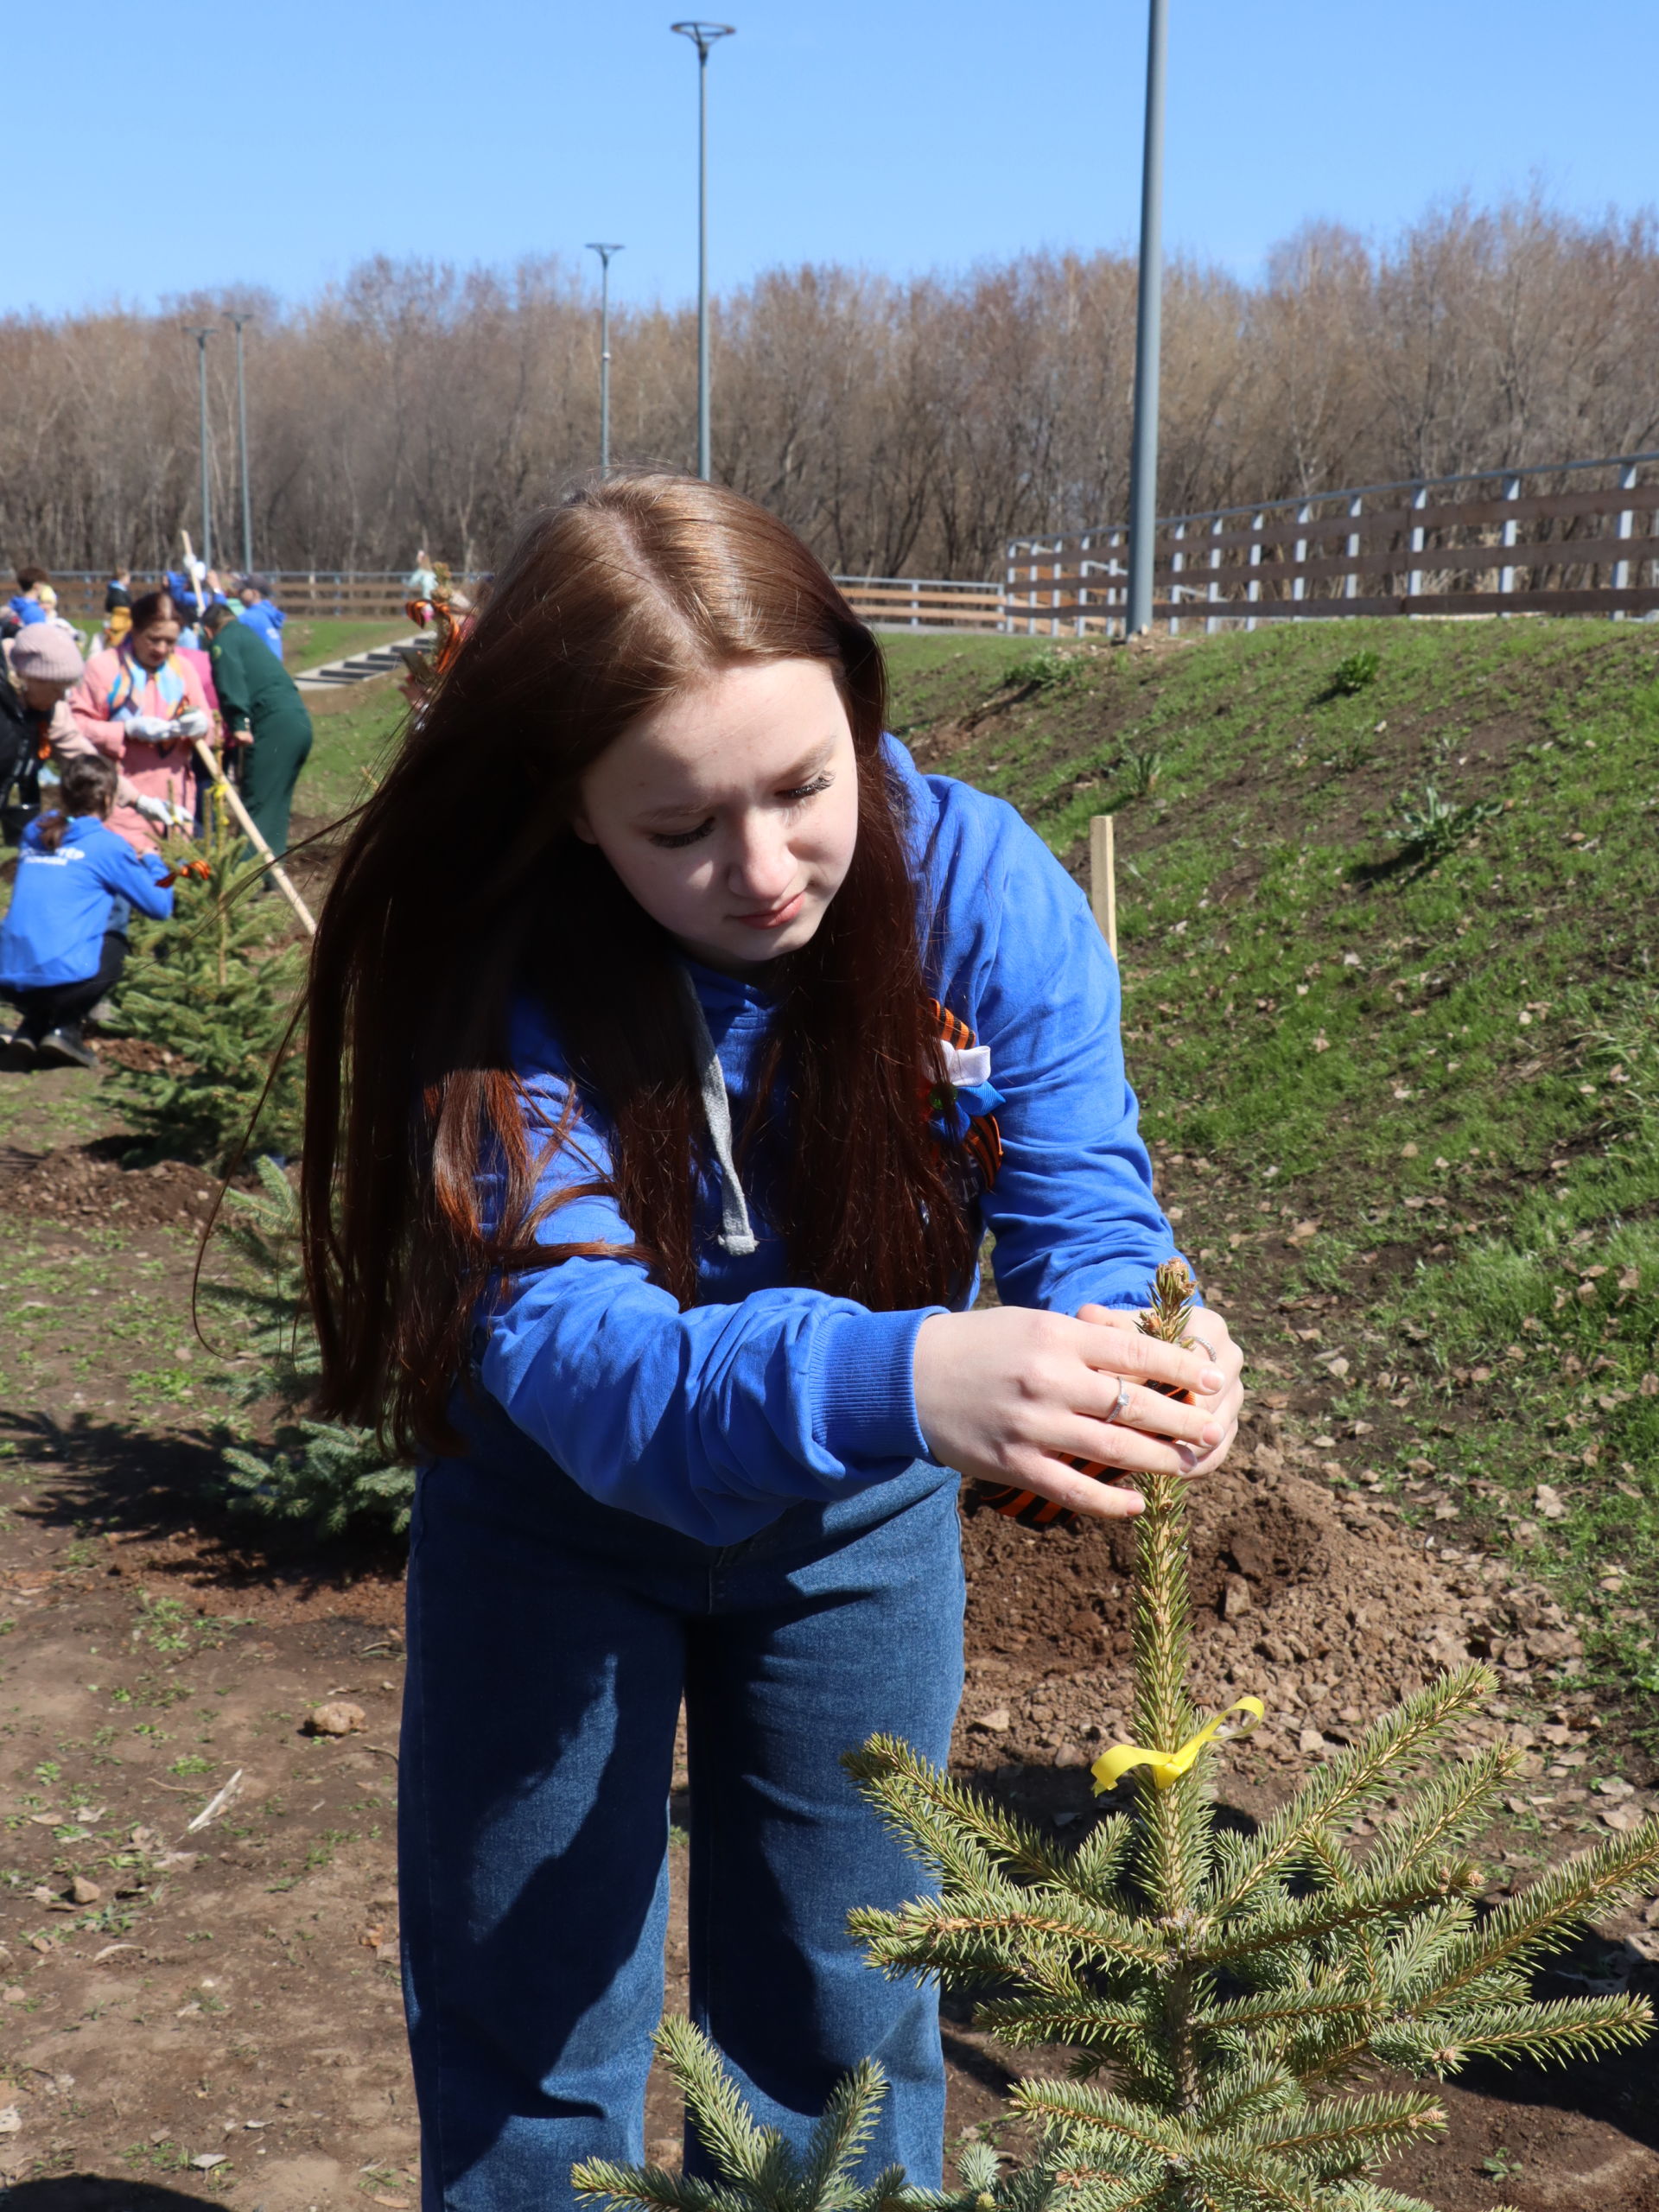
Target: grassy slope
(308, 643)
(1411, 1101)
(353, 732)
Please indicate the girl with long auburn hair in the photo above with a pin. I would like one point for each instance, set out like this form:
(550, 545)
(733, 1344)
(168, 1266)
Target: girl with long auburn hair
(672, 1042)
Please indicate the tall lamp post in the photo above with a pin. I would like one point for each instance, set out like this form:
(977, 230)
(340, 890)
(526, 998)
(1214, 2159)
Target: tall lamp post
(242, 444)
(604, 253)
(1148, 321)
(202, 336)
(703, 35)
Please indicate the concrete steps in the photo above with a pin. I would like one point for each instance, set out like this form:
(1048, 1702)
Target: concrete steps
(358, 667)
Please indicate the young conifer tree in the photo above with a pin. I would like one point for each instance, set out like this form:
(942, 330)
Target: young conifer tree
(1232, 2004)
(759, 2173)
(328, 1474)
(213, 990)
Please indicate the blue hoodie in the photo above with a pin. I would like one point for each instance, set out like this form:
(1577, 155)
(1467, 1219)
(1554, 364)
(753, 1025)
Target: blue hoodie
(61, 901)
(763, 1395)
(267, 620)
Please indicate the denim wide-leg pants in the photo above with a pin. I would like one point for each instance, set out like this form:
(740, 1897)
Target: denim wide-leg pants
(551, 1640)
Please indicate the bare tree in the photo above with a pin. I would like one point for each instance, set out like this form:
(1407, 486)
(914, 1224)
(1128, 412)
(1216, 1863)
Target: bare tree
(903, 426)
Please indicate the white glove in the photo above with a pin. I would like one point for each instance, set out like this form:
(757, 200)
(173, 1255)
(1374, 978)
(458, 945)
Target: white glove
(153, 727)
(194, 723)
(155, 809)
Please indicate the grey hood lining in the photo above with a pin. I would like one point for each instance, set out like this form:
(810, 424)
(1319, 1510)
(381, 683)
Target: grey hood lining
(737, 1236)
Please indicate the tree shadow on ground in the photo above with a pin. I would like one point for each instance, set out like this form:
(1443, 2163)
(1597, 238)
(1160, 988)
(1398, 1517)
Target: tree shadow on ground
(1617, 2089)
(161, 1490)
(94, 2193)
(130, 1479)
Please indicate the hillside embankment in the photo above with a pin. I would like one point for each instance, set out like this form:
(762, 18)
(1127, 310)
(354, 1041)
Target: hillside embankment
(1389, 905)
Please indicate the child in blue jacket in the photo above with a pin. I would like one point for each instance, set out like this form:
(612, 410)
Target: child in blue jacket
(657, 1102)
(262, 614)
(63, 943)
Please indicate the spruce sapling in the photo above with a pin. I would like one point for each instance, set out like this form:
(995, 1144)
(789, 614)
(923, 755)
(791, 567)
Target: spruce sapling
(1244, 1996)
(213, 992)
(322, 1472)
(759, 2173)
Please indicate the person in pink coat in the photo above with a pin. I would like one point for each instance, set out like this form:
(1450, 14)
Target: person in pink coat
(142, 703)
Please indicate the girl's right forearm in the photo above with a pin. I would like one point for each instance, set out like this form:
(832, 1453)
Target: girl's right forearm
(700, 1419)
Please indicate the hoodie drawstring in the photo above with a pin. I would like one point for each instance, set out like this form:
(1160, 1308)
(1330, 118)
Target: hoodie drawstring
(736, 1236)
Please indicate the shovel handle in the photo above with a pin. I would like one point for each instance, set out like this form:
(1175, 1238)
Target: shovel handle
(278, 873)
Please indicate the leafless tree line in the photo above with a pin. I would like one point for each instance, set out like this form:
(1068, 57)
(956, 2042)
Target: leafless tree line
(906, 427)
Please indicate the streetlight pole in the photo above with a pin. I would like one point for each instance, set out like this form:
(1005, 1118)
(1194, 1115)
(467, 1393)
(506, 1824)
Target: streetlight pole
(604, 253)
(201, 337)
(703, 35)
(1148, 331)
(242, 445)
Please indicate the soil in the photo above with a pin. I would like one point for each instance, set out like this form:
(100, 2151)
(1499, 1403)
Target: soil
(89, 1184)
(222, 2020)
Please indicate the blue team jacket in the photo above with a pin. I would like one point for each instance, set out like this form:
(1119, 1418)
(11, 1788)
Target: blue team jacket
(61, 901)
(267, 620)
(763, 1396)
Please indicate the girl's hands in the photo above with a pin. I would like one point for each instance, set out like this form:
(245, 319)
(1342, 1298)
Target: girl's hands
(1208, 1330)
(1007, 1395)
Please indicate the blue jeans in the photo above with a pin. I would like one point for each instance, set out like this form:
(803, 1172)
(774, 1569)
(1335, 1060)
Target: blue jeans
(551, 1640)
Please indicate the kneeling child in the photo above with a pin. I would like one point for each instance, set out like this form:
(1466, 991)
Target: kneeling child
(64, 943)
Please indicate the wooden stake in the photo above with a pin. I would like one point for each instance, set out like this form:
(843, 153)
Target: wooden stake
(279, 875)
(1102, 878)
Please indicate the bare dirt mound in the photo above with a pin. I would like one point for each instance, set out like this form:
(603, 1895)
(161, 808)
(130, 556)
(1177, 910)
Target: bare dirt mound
(1062, 1601)
(85, 1183)
(1316, 1601)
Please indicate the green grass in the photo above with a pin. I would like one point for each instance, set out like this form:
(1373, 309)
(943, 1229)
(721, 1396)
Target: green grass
(308, 643)
(1440, 1049)
(919, 655)
(354, 732)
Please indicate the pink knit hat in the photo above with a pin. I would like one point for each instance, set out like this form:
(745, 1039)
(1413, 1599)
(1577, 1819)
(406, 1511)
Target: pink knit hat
(47, 653)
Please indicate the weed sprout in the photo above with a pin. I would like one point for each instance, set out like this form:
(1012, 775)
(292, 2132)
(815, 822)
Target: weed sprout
(1354, 673)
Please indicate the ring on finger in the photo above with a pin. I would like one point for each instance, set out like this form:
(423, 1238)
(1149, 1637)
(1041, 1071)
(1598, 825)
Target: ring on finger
(1117, 1414)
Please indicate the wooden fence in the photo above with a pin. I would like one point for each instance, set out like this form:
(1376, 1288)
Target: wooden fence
(312, 595)
(909, 602)
(1578, 538)
(925, 603)
(1445, 546)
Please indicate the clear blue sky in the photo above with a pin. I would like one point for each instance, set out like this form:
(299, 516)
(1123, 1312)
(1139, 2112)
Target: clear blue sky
(901, 134)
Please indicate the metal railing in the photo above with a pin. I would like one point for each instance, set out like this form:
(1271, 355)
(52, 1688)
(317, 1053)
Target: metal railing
(926, 602)
(344, 594)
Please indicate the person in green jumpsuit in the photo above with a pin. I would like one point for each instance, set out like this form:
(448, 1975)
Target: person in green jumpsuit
(258, 696)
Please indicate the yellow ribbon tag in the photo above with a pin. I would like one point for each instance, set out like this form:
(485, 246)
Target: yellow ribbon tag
(1169, 1766)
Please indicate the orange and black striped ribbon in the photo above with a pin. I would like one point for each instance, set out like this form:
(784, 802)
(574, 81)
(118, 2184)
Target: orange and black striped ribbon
(983, 1144)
